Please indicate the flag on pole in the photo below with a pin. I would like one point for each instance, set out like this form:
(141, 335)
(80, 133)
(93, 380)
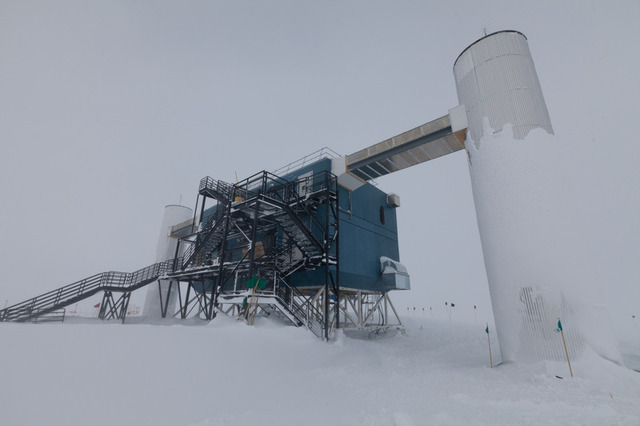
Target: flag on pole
(489, 341)
(564, 343)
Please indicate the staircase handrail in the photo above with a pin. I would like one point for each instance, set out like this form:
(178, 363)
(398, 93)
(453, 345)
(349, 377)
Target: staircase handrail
(113, 281)
(223, 190)
(208, 226)
(197, 246)
(310, 316)
(287, 197)
(308, 159)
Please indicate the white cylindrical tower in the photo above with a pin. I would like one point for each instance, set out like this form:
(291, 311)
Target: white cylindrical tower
(495, 78)
(166, 249)
(537, 263)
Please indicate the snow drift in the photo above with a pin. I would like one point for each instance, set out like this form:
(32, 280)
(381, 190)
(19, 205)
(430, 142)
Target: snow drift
(226, 373)
(536, 257)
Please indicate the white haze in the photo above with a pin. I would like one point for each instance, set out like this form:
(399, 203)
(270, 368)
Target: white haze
(111, 110)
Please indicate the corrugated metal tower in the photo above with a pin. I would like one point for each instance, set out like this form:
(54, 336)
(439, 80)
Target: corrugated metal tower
(496, 78)
(537, 267)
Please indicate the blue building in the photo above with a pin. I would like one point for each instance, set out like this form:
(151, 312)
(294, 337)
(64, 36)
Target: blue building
(315, 243)
(305, 244)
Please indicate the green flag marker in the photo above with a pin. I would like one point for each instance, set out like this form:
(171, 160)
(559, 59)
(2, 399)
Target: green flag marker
(489, 342)
(251, 282)
(564, 343)
(262, 284)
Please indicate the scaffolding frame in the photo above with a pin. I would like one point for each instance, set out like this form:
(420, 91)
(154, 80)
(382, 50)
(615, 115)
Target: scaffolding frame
(301, 217)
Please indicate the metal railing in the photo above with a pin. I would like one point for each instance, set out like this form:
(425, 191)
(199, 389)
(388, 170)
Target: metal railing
(79, 290)
(289, 297)
(221, 191)
(289, 205)
(206, 229)
(53, 316)
(307, 159)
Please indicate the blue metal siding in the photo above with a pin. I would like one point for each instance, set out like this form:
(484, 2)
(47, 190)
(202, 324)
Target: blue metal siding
(363, 237)
(363, 240)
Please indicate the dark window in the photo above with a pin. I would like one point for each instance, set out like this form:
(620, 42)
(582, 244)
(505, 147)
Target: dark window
(382, 215)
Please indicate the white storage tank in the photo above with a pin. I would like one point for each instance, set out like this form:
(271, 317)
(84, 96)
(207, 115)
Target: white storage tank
(173, 215)
(538, 265)
(495, 77)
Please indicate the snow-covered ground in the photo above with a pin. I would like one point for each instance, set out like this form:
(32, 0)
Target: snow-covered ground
(227, 373)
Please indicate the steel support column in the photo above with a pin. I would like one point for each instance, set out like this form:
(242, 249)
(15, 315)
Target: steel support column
(215, 291)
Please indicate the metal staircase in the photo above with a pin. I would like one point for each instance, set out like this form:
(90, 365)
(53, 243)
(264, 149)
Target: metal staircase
(298, 233)
(224, 246)
(108, 282)
(233, 243)
(217, 189)
(286, 302)
(300, 307)
(207, 241)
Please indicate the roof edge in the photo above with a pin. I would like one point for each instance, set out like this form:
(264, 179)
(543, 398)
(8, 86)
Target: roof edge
(487, 36)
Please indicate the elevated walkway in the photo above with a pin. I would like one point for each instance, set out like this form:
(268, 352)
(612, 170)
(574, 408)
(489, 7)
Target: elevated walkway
(107, 282)
(286, 302)
(439, 137)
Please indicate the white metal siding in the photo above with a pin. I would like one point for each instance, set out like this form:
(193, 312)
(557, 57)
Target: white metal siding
(496, 78)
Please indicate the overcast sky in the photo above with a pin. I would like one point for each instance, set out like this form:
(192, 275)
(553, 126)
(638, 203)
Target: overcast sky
(109, 110)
